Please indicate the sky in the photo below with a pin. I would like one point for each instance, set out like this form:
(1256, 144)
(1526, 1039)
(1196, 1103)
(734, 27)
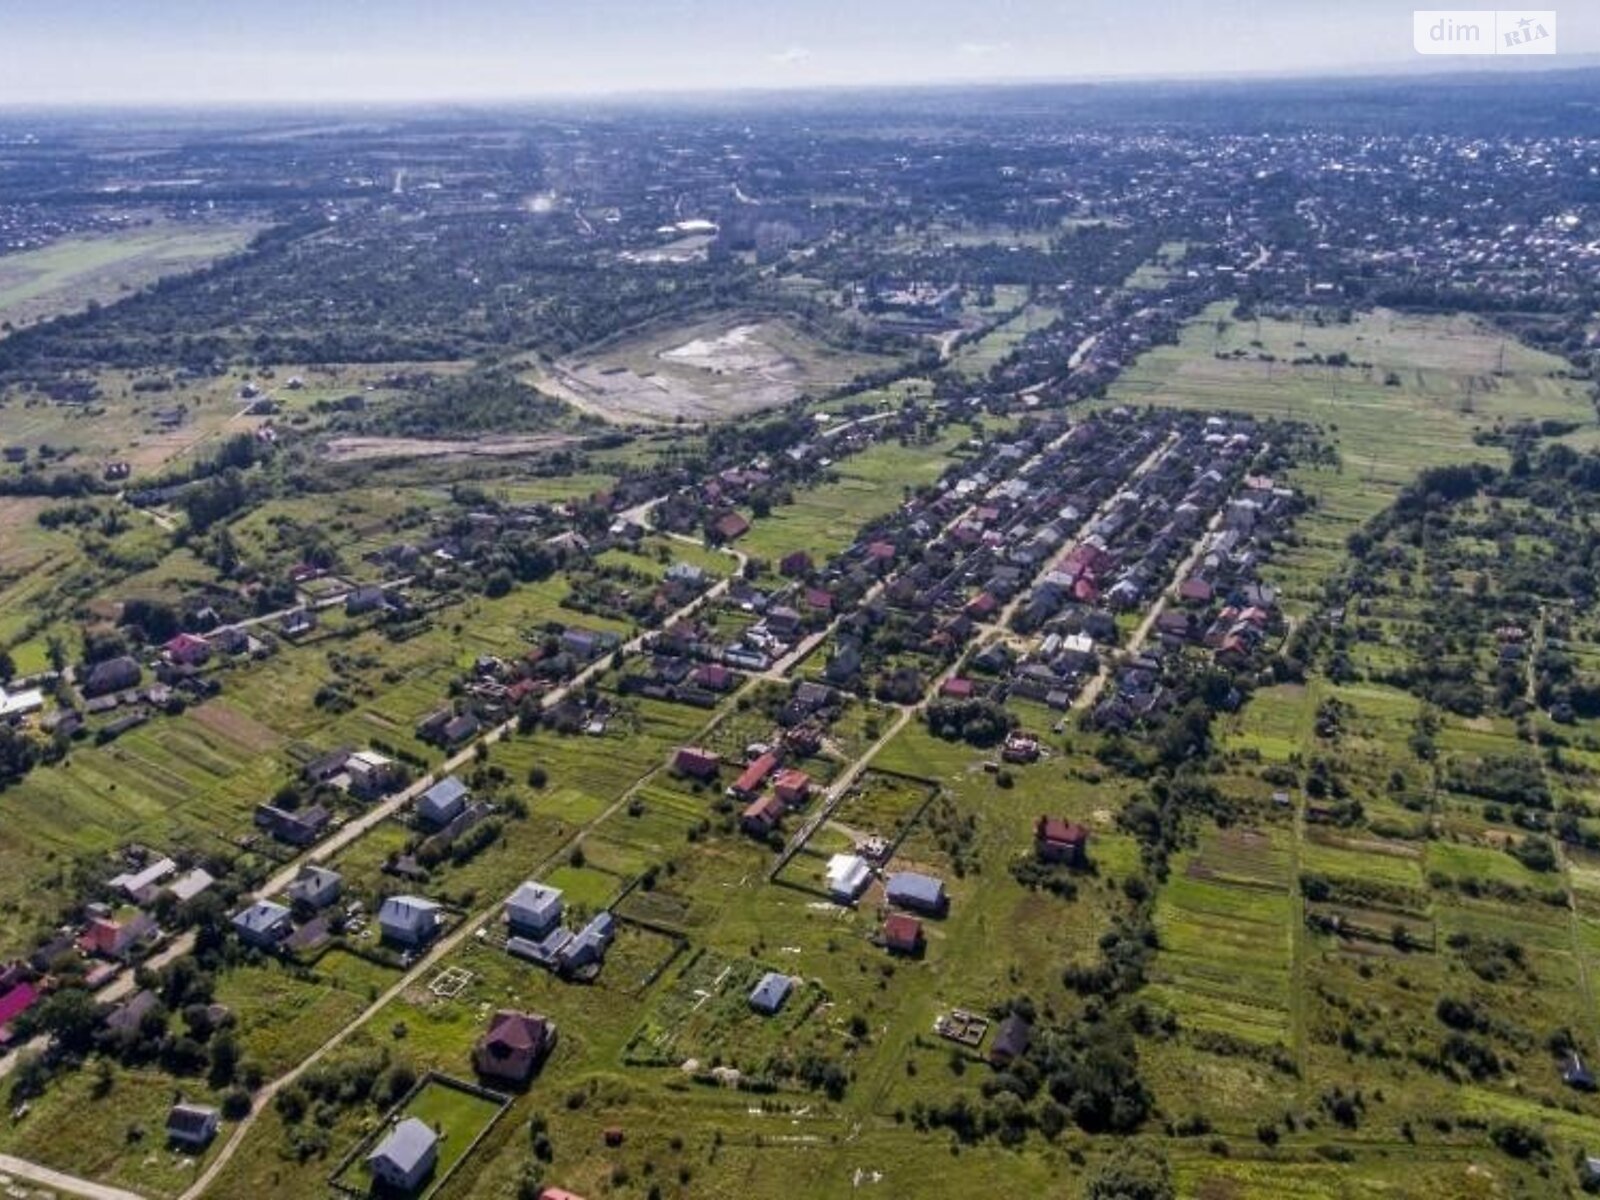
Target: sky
(200, 52)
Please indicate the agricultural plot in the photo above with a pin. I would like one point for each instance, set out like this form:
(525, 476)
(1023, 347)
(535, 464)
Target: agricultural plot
(702, 1020)
(1224, 965)
(825, 519)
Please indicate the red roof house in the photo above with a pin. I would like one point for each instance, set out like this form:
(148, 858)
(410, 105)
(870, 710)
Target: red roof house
(956, 688)
(749, 783)
(902, 933)
(187, 649)
(696, 763)
(731, 525)
(1057, 840)
(792, 785)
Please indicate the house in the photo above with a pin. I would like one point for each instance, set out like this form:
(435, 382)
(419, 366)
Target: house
(315, 886)
(762, 816)
(792, 786)
(1055, 840)
(730, 526)
(366, 599)
(848, 877)
(191, 884)
(443, 802)
(459, 730)
(534, 909)
(406, 1157)
(924, 893)
(192, 1126)
(685, 573)
(371, 774)
(845, 664)
(588, 946)
(144, 885)
(818, 600)
(326, 767)
(768, 995)
(264, 924)
(555, 1193)
(713, 677)
(513, 1046)
(754, 775)
(696, 763)
(106, 937)
(127, 1016)
(902, 934)
(15, 1001)
(297, 827)
(1019, 748)
(21, 703)
(297, 623)
(409, 920)
(795, 564)
(1194, 591)
(1011, 1040)
(956, 688)
(186, 650)
(113, 675)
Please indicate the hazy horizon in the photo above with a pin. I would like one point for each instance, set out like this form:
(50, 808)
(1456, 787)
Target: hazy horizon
(182, 52)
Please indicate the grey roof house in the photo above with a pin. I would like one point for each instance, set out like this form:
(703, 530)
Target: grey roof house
(443, 802)
(924, 893)
(263, 924)
(404, 1159)
(769, 994)
(409, 920)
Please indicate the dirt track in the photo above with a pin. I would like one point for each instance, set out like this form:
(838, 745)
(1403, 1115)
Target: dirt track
(360, 449)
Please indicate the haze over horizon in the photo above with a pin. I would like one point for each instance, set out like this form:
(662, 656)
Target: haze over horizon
(155, 52)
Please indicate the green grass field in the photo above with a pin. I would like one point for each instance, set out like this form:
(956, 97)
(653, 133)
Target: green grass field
(66, 275)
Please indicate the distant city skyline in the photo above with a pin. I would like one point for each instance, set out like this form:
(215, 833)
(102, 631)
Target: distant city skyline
(157, 52)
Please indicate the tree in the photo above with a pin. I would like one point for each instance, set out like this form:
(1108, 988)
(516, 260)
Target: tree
(71, 1016)
(1131, 1172)
(224, 1059)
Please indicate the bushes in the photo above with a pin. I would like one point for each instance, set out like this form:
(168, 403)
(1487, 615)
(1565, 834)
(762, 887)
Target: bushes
(1131, 1172)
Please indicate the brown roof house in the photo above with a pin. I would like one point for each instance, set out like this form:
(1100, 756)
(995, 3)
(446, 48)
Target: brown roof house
(513, 1046)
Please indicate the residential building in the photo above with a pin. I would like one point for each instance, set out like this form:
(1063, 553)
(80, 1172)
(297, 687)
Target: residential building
(263, 924)
(406, 1156)
(513, 1046)
(192, 1126)
(409, 920)
(769, 994)
(534, 909)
